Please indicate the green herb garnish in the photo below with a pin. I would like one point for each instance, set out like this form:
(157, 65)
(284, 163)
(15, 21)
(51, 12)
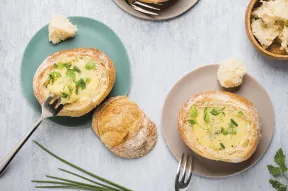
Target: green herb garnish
(67, 65)
(66, 183)
(71, 74)
(61, 65)
(88, 80)
(53, 76)
(277, 185)
(234, 122)
(280, 160)
(90, 65)
(80, 84)
(206, 115)
(192, 122)
(216, 112)
(279, 170)
(241, 113)
(76, 69)
(193, 112)
(275, 171)
(222, 146)
(64, 95)
(225, 132)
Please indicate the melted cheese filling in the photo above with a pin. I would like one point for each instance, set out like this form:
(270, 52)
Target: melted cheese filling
(219, 128)
(69, 87)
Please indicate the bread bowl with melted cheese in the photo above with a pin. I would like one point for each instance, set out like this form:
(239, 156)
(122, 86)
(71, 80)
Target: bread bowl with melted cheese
(220, 126)
(124, 128)
(83, 77)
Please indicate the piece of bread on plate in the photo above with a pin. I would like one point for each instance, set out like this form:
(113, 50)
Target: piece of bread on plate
(220, 126)
(60, 28)
(83, 77)
(124, 128)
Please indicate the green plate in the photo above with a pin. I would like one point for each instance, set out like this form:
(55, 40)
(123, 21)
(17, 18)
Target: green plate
(91, 34)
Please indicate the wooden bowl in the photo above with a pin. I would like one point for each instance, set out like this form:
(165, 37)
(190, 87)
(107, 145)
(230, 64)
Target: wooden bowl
(274, 50)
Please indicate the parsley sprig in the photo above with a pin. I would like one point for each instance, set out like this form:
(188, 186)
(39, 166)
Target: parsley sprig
(278, 170)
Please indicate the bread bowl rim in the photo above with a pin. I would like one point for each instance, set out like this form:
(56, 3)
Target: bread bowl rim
(111, 76)
(254, 117)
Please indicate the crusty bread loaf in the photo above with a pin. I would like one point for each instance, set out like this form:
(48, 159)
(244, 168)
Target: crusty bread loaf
(220, 126)
(83, 77)
(124, 128)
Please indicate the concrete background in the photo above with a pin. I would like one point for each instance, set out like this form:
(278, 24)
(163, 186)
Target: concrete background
(160, 54)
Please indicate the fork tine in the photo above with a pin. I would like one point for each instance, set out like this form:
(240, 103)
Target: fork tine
(184, 165)
(143, 10)
(59, 108)
(179, 165)
(147, 6)
(55, 102)
(189, 173)
(50, 97)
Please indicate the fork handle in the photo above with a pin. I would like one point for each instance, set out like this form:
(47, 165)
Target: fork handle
(6, 160)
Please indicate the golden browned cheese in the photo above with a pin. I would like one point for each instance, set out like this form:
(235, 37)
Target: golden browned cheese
(124, 128)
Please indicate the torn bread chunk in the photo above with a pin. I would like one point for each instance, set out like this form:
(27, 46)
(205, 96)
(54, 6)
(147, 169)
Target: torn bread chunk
(60, 28)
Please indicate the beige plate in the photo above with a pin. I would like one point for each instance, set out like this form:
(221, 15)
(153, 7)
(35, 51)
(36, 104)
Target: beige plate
(204, 79)
(169, 10)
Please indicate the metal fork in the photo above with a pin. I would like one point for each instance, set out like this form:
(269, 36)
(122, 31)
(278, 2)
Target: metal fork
(48, 110)
(184, 172)
(146, 8)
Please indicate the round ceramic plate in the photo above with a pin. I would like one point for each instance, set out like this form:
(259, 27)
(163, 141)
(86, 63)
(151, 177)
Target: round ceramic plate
(201, 80)
(169, 9)
(91, 34)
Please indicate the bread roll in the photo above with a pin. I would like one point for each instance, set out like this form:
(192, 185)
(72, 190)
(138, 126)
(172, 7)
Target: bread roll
(124, 128)
(220, 126)
(83, 77)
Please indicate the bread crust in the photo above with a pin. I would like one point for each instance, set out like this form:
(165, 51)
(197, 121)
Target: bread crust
(137, 143)
(235, 155)
(75, 109)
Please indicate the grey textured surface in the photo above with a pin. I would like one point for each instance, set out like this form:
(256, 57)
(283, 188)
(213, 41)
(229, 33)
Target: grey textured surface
(160, 53)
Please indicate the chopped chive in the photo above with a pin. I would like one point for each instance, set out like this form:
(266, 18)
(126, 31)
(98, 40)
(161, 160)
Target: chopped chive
(193, 112)
(88, 179)
(71, 181)
(67, 65)
(234, 122)
(88, 80)
(76, 69)
(206, 115)
(90, 65)
(82, 170)
(192, 122)
(225, 132)
(222, 146)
